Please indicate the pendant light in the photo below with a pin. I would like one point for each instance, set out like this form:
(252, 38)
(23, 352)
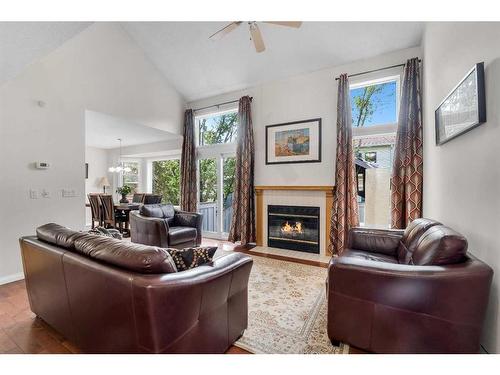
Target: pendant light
(119, 168)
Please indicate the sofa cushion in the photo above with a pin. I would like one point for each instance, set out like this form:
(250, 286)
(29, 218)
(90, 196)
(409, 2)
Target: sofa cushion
(58, 235)
(192, 257)
(439, 245)
(384, 241)
(124, 254)
(411, 236)
(177, 235)
(162, 211)
(376, 257)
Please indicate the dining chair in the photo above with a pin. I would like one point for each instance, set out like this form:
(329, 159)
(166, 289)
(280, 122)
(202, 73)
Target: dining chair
(112, 217)
(95, 209)
(138, 197)
(152, 199)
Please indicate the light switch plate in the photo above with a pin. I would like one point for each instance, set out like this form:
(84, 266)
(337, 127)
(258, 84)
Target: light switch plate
(33, 194)
(69, 193)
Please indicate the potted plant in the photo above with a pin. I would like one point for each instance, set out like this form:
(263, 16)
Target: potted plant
(124, 191)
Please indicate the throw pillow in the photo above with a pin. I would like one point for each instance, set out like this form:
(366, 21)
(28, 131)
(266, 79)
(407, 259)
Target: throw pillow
(191, 257)
(101, 231)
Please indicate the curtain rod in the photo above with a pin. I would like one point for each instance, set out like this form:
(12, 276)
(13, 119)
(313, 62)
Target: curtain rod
(218, 105)
(376, 70)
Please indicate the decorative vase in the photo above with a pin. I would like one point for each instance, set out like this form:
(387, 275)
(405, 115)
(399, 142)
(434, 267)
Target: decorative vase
(124, 199)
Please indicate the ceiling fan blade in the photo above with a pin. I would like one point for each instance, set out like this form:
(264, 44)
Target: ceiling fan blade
(257, 38)
(225, 30)
(295, 24)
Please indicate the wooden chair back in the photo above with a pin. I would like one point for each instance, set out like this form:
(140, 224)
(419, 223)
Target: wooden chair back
(152, 199)
(108, 209)
(138, 197)
(95, 208)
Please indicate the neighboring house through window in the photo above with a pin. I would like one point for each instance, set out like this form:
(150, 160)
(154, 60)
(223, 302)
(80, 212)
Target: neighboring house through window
(375, 106)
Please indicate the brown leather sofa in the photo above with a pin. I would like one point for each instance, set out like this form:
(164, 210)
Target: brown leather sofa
(411, 291)
(112, 296)
(162, 225)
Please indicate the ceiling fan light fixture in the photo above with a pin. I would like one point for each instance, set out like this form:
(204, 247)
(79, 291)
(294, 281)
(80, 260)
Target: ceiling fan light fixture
(255, 33)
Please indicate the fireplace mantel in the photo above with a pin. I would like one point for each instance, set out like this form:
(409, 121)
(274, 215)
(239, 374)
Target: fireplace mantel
(259, 192)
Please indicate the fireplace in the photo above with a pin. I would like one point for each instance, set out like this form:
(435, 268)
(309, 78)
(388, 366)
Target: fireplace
(293, 228)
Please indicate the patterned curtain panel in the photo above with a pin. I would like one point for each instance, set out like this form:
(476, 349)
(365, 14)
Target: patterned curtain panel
(188, 165)
(243, 220)
(407, 171)
(345, 200)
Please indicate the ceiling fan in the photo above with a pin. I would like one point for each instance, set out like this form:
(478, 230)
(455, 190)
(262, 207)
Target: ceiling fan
(255, 34)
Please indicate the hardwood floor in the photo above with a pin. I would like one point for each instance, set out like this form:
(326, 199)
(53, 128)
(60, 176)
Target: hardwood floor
(22, 332)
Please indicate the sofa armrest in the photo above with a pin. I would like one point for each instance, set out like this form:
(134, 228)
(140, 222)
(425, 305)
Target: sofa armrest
(190, 219)
(205, 298)
(434, 290)
(383, 241)
(148, 230)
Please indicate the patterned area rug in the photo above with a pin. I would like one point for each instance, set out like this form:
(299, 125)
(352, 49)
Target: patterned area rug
(287, 310)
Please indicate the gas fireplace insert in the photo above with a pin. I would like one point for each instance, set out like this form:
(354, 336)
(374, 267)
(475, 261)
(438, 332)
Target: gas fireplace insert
(293, 228)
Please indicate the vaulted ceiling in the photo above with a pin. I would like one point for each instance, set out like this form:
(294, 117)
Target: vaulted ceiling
(198, 67)
(21, 43)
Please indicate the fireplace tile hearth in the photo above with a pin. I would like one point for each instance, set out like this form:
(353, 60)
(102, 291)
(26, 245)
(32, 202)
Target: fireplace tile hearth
(292, 254)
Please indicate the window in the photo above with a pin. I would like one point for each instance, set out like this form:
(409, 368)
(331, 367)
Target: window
(374, 109)
(131, 178)
(218, 128)
(216, 138)
(374, 103)
(167, 180)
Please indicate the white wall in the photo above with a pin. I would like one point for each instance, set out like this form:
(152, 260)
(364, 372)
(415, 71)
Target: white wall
(296, 98)
(462, 177)
(100, 69)
(97, 160)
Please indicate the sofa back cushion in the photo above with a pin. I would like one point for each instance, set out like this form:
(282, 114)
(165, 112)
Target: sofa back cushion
(131, 256)
(58, 235)
(161, 211)
(411, 236)
(439, 245)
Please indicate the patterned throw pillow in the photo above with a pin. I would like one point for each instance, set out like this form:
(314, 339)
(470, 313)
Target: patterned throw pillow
(191, 257)
(101, 231)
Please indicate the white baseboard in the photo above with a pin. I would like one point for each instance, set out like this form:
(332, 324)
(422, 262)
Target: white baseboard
(11, 278)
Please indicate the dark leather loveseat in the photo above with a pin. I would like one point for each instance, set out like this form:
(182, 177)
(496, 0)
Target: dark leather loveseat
(112, 296)
(162, 225)
(411, 291)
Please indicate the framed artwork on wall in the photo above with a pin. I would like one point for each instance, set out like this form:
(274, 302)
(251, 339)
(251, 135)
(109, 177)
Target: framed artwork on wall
(464, 108)
(294, 142)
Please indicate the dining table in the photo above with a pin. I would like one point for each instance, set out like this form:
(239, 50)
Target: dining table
(124, 208)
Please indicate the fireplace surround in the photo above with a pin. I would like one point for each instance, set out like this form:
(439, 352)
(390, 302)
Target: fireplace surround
(294, 228)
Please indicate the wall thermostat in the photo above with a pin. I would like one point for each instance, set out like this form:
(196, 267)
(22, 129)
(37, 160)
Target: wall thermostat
(42, 165)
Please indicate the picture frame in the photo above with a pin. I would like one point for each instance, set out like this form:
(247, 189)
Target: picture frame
(294, 142)
(464, 108)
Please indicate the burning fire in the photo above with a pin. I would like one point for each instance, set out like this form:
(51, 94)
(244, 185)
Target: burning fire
(287, 228)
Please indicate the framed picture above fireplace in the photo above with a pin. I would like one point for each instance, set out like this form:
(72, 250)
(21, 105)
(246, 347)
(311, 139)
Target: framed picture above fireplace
(294, 142)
